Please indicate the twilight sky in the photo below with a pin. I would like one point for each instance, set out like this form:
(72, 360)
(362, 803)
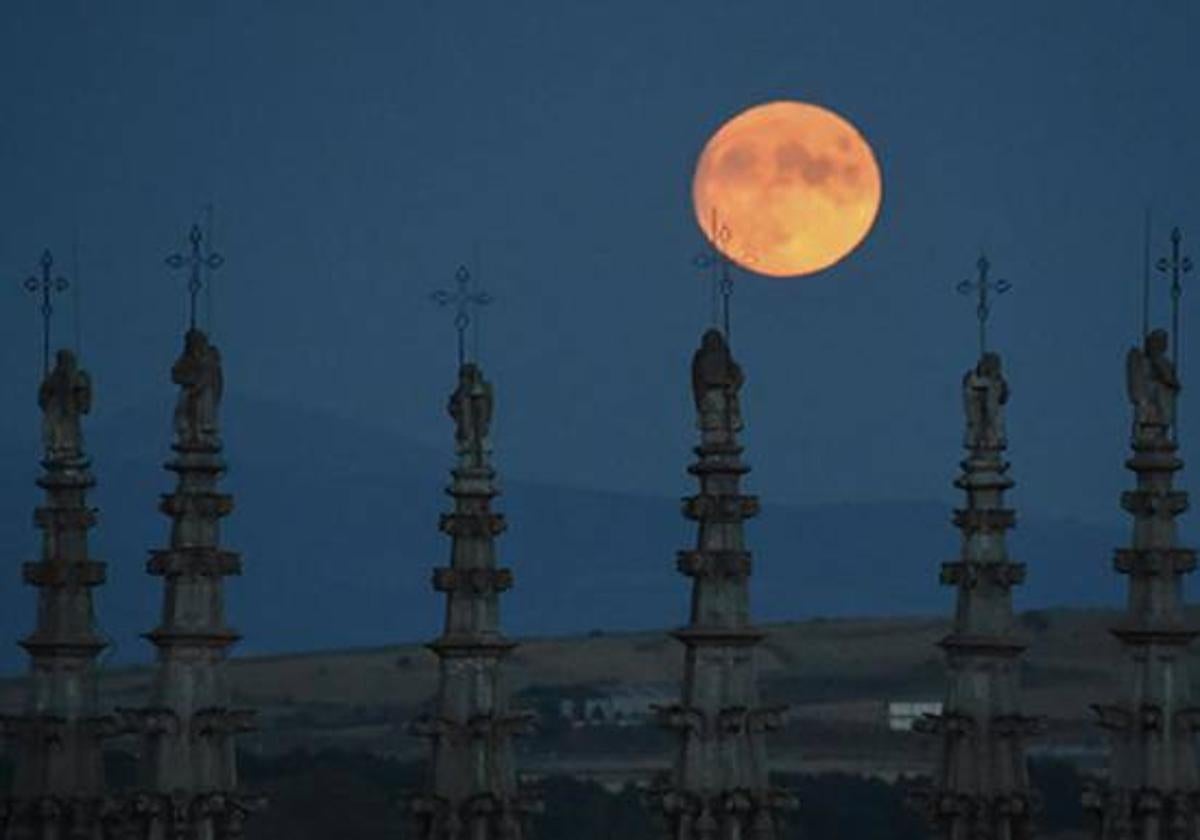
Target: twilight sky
(357, 152)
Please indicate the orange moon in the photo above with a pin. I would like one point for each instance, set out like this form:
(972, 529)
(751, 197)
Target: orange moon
(793, 188)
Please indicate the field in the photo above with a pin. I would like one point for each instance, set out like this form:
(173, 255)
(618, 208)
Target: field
(836, 676)
(333, 724)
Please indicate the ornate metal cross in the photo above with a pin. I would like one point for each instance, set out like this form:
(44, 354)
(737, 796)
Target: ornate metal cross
(463, 299)
(981, 286)
(1178, 266)
(47, 285)
(714, 260)
(195, 261)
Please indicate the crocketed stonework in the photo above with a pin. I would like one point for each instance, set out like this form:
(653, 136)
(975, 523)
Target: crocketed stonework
(981, 788)
(188, 786)
(58, 788)
(1152, 788)
(472, 790)
(719, 788)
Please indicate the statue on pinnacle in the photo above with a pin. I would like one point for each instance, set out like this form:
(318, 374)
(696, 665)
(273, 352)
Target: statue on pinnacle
(1153, 388)
(198, 373)
(716, 381)
(985, 392)
(64, 397)
(719, 784)
(471, 407)
(1152, 790)
(980, 786)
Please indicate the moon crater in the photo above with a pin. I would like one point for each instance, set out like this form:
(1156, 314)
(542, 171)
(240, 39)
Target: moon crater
(786, 189)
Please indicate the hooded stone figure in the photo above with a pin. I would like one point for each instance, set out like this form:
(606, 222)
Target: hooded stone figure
(65, 395)
(1153, 387)
(985, 392)
(716, 380)
(471, 407)
(198, 373)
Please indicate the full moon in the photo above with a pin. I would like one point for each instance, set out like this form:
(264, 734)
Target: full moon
(786, 188)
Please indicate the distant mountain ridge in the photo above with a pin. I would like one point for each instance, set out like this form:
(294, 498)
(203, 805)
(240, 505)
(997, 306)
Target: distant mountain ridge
(337, 524)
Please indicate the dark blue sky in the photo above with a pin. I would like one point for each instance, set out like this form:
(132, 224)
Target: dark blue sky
(357, 152)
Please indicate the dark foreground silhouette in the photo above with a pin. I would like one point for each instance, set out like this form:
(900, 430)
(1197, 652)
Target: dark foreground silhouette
(356, 796)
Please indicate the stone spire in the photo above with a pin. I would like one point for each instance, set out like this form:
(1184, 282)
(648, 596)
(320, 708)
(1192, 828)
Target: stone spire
(58, 788)
(188, 784)
(472, 791)
(1152, 789)
(981, 790)
(718, 788)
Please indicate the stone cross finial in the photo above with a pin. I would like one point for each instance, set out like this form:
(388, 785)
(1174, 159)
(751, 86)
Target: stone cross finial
(982, 286)
(463, 299)
(1176, 265)
(714, 259)
(47, 285)
(194, 262)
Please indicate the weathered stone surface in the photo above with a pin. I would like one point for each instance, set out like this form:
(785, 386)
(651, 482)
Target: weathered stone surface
(716, 381)
(479, 581)
(469, 524)
(64, 397)
(188, 786)
(985, 393)
(58, 785)
(1153, 790)
(719, 786)
(1153, 388)
(714, 564)
(198, 373)
(981, 787)
(471, 408)
(473, 791)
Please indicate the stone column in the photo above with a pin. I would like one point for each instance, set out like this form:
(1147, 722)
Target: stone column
(188, 786)
(58, 787)
(981, 789)
(1152, 790)
(719, 788)
(472, 790)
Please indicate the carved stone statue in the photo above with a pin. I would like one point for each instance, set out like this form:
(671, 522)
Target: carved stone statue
(198, 373)
(716, 380)
(65, 395)
(1153, 387)
(985, 392)
(471, 407)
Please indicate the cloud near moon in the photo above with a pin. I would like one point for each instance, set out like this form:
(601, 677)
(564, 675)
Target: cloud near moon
(794, 186)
